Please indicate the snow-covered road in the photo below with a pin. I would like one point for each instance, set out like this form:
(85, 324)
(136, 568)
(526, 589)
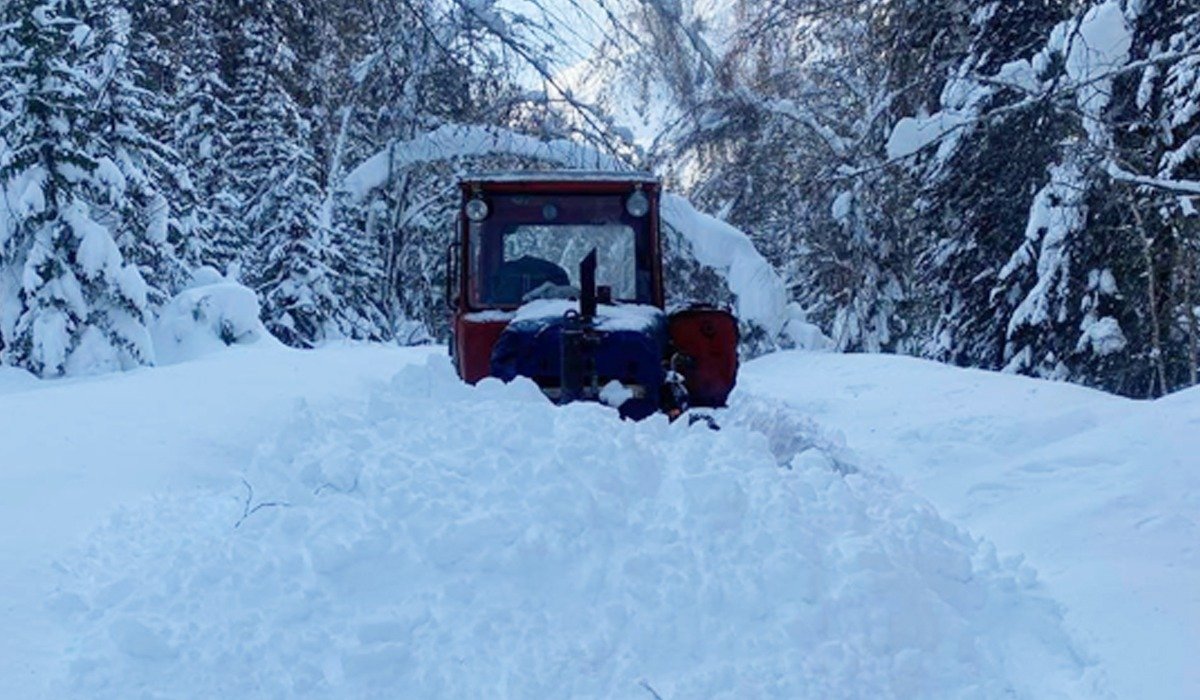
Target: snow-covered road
(1100, 494)
(440, 540)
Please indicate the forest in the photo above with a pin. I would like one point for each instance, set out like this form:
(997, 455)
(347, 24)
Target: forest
(1011, 185)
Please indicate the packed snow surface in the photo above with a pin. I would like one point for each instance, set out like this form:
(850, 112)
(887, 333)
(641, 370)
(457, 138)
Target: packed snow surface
(1100, 494)
(415, 535)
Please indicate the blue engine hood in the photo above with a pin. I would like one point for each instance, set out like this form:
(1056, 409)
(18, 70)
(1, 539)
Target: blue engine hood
(630, 343)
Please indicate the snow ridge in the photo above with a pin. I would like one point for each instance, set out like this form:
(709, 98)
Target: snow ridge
(457, 541)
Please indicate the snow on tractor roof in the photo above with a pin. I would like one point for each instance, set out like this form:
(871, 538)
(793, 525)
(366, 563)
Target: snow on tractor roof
(562, 176)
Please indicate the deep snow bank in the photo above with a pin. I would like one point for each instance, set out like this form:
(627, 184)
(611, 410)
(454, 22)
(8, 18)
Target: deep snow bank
(72, 450)
(447, 541)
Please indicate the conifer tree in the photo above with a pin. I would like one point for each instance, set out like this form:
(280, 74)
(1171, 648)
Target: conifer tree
(976, 202)
(75, 305)
(202, 123)
(148, 187)
(275, 177)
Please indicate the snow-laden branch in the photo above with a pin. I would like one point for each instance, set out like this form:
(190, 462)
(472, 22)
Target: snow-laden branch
(491, 20)
(1189, 187)
(806, 117)
(760, 291)
(454, 141)
(1095, 49)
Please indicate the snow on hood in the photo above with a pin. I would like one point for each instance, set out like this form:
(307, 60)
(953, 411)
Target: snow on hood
(618, 317)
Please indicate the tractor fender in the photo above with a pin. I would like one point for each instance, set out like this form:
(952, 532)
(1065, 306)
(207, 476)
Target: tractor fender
(705, 345)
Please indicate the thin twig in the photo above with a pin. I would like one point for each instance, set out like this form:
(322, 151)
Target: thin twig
(247, 510)
(650, 689)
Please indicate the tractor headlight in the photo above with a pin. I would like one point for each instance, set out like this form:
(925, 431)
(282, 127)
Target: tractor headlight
(638, 204)
(477, 210)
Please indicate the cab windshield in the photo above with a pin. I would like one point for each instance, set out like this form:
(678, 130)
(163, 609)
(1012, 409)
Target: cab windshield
(530, 247)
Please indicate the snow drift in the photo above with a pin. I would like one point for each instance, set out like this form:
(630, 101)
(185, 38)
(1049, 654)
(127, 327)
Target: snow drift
(211, 314)
(448, 541)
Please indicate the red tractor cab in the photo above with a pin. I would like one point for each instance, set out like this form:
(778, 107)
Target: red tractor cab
(557, 277)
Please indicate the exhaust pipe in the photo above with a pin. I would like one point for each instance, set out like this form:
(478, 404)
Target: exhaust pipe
(578, 365)
(587, 286)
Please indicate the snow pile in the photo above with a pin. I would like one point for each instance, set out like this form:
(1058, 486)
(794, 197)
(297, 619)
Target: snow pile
(13, 379)
(455, 541)
(801, 334)
(212, 314)
(615, 394)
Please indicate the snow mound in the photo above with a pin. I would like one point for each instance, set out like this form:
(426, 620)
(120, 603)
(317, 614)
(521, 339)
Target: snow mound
(800, 334)
(454, 541)
(209, 316)
(1099, 492)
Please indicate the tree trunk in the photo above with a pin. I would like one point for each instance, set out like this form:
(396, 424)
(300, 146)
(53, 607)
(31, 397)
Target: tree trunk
(1156, 348)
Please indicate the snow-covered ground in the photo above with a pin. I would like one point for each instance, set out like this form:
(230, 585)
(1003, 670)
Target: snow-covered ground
(196, 530)
(72, 451)
(1100, 494)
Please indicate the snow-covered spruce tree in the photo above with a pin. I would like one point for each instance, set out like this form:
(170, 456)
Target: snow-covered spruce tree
(1058, 233)
(855, 267)
(275, 178)
(1061, 278)
(149, 188)
(1039, 277)
(1105, 277)
(975, 203)
(201, 126)
(1168, 98)
(71, 303)
(1147, 145)
(1180, 161)
(344, 97)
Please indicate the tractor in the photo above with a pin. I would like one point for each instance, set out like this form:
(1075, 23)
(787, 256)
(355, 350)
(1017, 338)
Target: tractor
(558, 277)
